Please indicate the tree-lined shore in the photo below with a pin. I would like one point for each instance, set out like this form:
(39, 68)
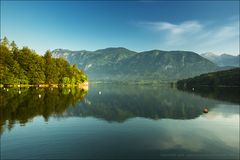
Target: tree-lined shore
(24, 67)
(227, 78)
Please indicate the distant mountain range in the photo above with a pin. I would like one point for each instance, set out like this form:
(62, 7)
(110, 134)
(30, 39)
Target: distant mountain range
(121, 64)
(222, 60)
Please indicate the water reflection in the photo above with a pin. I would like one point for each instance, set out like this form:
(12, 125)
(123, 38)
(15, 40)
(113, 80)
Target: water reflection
(231, 94)
(146, 122)
(119, 103)
(115, 103)
(21, 105)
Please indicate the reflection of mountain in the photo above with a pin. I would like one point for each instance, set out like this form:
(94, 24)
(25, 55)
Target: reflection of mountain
(118, 103)
(25, 104)
(115, 103)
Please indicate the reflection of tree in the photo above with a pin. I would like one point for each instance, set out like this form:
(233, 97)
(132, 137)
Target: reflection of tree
(21, 106)
(231, 94)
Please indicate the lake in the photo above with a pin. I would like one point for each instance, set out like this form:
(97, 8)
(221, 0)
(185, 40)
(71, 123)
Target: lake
(119, 122)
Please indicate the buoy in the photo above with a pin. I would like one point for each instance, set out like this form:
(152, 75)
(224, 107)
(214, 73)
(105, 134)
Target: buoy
(205, 110)
(99, 92)
(39, 96)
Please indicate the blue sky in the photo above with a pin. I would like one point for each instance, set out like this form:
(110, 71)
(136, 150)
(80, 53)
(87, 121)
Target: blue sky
(207, 26)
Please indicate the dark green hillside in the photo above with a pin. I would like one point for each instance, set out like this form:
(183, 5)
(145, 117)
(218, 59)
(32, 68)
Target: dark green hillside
(221, 78)
(25, 66)
(120, 64)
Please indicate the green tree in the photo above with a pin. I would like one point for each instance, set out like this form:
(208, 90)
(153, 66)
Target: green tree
(51, 71)
(13, 46)
(63, 69)
(9, 67)
(5, 42)
(66, 80)
(26, 66)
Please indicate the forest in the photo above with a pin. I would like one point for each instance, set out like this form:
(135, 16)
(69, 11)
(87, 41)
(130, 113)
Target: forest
(25, 66)
(230, 78)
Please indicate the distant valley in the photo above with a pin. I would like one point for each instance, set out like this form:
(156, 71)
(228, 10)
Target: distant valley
(121, 64)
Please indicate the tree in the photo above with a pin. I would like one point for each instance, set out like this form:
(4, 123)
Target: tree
(36, 69)
(51, 71)
(79, 76)
(5, 42)
(13, 47)
(25, 66)
(63, 69)
(66, 80)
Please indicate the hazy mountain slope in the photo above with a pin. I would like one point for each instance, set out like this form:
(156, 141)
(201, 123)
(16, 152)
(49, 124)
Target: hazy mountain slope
(124, 65)
(168, 65)
(223, 60)
(99, 64)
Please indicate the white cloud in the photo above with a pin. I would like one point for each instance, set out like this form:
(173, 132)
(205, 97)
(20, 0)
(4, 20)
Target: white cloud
(176, 29)
(225, 32)
(191, 35)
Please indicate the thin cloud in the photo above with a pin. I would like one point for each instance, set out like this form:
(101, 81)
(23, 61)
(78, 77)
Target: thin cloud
(175, 29)
(193, 33)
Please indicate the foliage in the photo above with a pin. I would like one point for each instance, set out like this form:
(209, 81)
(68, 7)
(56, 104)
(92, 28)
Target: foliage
(221, 78)
(24, 66)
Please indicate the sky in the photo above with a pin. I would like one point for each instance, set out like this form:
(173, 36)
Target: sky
(199, 26)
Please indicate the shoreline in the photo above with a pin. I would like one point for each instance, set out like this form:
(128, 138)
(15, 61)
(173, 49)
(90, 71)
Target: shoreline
(82, 85)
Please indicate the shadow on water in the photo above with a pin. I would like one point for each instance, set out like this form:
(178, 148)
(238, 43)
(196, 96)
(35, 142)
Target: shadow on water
(113, 103)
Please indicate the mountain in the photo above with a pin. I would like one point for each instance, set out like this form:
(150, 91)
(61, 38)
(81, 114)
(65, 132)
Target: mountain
(121, 64)
(222, 60)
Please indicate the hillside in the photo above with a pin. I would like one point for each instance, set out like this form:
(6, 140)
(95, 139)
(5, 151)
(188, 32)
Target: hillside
(222, 60)
(221, 78)
(121, 64)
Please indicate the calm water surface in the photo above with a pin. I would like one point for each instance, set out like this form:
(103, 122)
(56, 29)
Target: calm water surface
(119, 122)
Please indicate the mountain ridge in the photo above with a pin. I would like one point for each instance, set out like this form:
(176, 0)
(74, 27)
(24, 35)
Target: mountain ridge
(118, 63)
(223, 59)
